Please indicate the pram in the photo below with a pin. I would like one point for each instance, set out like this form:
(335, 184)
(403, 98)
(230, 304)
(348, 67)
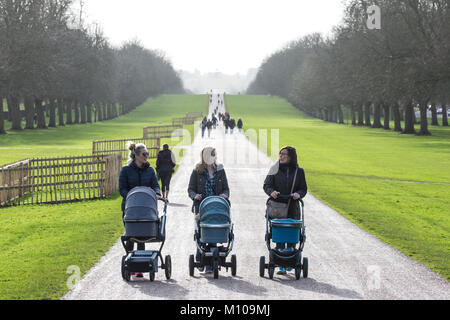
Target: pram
(142, 225)
(285, 231)
(213, 229)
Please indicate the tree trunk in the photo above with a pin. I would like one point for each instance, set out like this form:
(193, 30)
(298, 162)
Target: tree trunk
(367, 111)
(2, 120)
(387, 116)
(444, 115)
(14, 113)
(424, 120)
(69, 112)
(61, 113)
(100, 112)
(409, 119)
(340, 114)
(360, 115)
(83, 113)
(76, 107)
(52, 121)
(326, 112)
(434, 118)
(89, 112)
(353, 112)
(40, 114)
(30, 113)
(397, 118)
(377, 116)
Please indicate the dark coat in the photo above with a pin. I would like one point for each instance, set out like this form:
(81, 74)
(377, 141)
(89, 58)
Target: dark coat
(131, 176)
(198, 180)
(281, 180)
(164, 163)
(240, 124)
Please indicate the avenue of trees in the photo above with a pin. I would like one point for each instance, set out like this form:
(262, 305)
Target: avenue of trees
(377, 74)
(62, 72)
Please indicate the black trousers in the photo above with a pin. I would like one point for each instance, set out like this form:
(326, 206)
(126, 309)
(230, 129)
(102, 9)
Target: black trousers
(166, 177)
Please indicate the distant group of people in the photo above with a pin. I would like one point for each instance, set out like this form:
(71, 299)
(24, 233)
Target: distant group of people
(230, 123)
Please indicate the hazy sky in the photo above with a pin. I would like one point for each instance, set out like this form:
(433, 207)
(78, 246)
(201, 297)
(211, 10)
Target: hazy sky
(213, 35)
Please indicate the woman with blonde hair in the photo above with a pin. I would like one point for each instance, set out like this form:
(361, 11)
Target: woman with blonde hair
(137, 173)
(208, 179)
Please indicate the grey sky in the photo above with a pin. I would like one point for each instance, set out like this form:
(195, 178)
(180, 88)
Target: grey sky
(213, 35)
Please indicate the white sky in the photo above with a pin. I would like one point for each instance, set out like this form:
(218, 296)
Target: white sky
(229, 36)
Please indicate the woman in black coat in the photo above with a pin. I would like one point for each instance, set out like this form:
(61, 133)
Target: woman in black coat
(165, 164)
(279, 181)
(137, 173)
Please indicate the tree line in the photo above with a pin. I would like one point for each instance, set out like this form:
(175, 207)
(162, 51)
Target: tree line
(63, 72)
(374, 71)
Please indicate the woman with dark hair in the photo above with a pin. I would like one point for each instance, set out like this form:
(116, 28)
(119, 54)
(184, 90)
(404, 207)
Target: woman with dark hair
(137, 173)
(280, 181)
(165, 164)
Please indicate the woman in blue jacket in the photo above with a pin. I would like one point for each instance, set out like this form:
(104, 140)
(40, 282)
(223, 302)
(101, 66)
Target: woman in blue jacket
(137, 173)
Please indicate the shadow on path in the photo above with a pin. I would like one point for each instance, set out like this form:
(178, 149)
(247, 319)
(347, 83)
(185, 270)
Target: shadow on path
(316, 286)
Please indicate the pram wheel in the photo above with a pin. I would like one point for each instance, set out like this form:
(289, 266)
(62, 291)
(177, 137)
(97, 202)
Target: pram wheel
(233, 265)
(298, 267)
(305, 267)
(191, 265)
(125, 272)
(152, 275)
(216, 269)
(262, 266)
(168, 267)
(271, 272)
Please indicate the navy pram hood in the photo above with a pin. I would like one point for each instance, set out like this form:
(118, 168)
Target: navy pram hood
(141, 205)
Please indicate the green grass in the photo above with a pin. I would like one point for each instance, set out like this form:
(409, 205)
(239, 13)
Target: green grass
(395, 186)
(40, 242)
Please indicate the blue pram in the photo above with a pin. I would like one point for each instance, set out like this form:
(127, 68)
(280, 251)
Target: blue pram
(212, 231)
(285, 231)
(142, 225)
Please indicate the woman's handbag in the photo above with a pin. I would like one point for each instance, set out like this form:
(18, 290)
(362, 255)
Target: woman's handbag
(279, 210)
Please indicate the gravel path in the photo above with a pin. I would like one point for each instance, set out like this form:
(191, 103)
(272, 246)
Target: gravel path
(345, 262)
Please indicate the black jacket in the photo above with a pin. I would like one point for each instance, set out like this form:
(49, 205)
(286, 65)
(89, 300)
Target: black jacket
(164, 163)
(280, 178)
(198, 180)
(131, 176)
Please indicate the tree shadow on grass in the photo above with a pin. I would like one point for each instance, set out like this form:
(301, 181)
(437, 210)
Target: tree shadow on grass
(309, 284)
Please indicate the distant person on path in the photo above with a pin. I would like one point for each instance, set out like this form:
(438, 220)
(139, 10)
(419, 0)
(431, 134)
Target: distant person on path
(209, 126)
(165, 164)
(203, 126)
(208, 179)
(232, 125)
(137, 173)
(280, 180)
(240, 125)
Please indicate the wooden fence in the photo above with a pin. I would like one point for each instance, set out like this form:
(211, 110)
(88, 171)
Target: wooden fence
(196, 115)
(163, 131)
(183, 121)
(58, 180)
(113, 146)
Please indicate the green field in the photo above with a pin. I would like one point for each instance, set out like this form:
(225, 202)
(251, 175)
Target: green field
(40, 242)
(395, 186)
